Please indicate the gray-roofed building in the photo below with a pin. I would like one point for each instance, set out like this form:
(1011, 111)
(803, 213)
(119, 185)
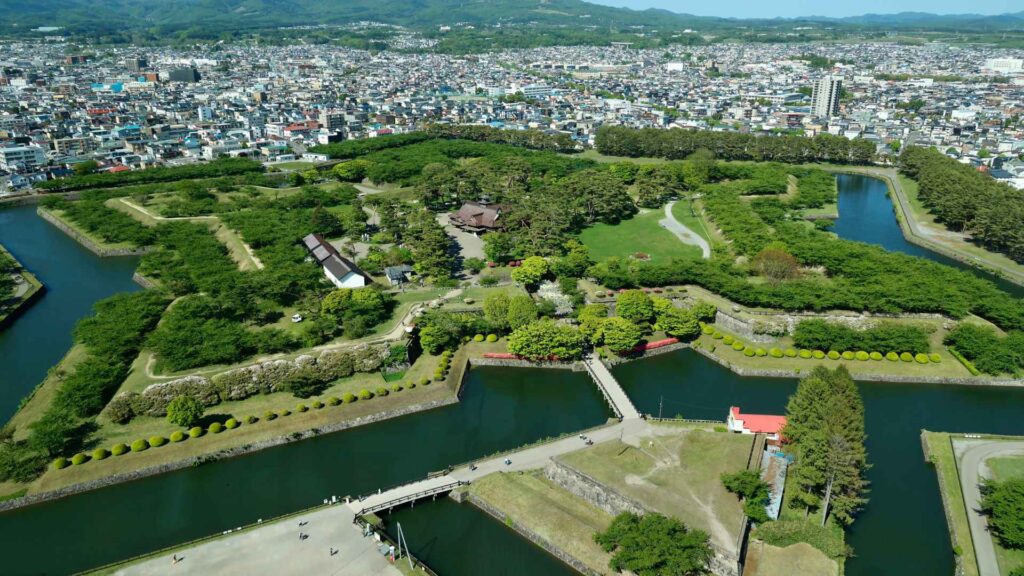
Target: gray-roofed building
(341, 271)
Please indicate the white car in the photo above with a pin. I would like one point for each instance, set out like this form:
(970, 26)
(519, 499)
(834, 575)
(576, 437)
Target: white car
(296, 318)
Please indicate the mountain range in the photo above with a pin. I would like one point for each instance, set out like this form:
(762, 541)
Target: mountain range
(121, 15)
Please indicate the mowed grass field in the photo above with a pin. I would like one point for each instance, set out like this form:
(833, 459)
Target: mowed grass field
(676, 471)
(549, 511)
(642, 233)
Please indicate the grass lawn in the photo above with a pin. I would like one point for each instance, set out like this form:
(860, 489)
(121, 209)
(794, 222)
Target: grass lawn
(830, 210)
(800, 558)
(642, 233)
(299, 165)
(480, 293)
(1004, 469)
(596, 156)
(145, 426)
(684, 211)
(942, 458)
(31, 284)
(553, 513)
(948, 367)
(676, 472)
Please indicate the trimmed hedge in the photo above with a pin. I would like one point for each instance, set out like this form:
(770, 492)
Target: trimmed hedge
(177, 436)
(215, 428)
(424, 381)
(396, 387)
(707, 330)
(876, 356)
(717, 335)
(195, 432)
(818, 354)
(60, 463)
(382, 391)
(862, 355)
(478, 338)
(737, 345)
(301, 408)
(100, 454)
(348, 398)
(728, 340)
(157, 441)
(119, 449)
(269, 415)
(286, 413)
(833, 355)
(250, 419)
(935, 357)
(333, 401)
(892, 356)
(492, 337)
(907, 357)
(231, 424)
(317, 404)
(79, 459)
(761, 352)
(140, 445)
(921, 358)
(805, 354)
(790, 353)
(748, 352)
(848, 355)
(365, 394)
(775, 353)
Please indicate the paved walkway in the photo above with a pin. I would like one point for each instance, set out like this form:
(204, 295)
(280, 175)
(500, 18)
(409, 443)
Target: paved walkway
(686, 235)
(275, 548)
(971, 457)
(613, 392)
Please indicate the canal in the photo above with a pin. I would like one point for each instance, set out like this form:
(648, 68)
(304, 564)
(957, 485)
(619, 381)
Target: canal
(75, 279)
(901, 531)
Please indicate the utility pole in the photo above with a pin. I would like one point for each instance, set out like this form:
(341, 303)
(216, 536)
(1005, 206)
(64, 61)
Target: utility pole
(661, 404)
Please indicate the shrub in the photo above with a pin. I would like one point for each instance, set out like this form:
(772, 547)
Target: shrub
(862, 355)
(348, 398)
(365, 394)
(269, 415)
(157, 441)
(876, 356)
(761, 352)
(446, 354)
(438, 375)
(478, 338)
(892, 356)
(140, 445)
(396, 387)
(177, 436)
(231, 424)
(848, 355)
(250, 419)
(749, 352)
(705, 329)
(728, 339)
(318, 404)
(301, 408)
(410, 384)
(790, 353)
(216, 428)
(79, 459)
(737, 345)
(100, 454)
(921, 358)
(333, 401)
(196, 432)
(424, 381)
(717, 335)
(286, 412)
(833, 355)
(775, 353)
(818, 354)
(119, 449)
(907, 357)
(60, 463)
(934, 357)
(805, 354)
(382, 391)
(492, 337)
(184, 411)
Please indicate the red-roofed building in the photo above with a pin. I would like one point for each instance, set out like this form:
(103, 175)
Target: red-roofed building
(766, 424)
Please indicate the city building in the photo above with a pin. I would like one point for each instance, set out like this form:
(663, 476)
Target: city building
(183, 75)
(21, 158)
(825, 97)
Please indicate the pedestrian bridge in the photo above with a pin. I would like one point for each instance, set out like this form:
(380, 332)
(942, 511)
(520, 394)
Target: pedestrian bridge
(610, 388)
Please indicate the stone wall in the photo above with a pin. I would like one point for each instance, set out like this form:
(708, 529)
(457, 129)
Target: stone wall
(513, 363)
(946, 507)
(766, 327)
(86, 242)
(220, 455)
(528, 534)
(607, 499)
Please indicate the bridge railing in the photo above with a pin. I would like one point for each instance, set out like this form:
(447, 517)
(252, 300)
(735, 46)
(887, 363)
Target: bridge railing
(604, 391)
(398, 501)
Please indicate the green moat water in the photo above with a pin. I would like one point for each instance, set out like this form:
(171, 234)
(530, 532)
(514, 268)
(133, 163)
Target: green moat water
(902, 531)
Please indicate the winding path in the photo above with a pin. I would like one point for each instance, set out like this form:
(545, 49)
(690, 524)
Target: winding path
(684, 234)
(973, 469)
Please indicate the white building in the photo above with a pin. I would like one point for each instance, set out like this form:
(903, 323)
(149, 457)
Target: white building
(341, 271)
(825, 96)
(1005, 65)
(21, 158)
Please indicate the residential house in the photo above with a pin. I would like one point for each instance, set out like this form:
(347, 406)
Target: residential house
(341, 271)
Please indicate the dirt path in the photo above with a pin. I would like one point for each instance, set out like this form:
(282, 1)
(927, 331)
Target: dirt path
(684, 234)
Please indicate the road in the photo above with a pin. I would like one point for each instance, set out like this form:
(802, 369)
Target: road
(971, 458)
(684, 234)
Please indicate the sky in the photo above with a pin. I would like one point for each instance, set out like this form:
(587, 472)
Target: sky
(834, 8)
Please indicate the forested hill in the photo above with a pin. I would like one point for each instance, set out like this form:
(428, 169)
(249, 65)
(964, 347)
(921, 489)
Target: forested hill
(167, 16)
(112, 15)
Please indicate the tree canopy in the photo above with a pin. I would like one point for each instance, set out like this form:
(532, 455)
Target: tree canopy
(655, 545)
